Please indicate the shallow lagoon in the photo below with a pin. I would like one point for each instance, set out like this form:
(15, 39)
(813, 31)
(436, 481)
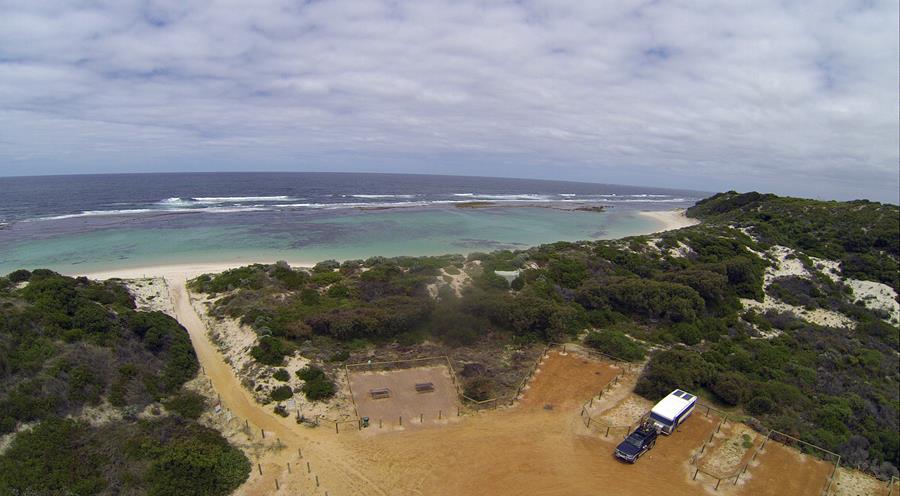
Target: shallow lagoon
(117, 242)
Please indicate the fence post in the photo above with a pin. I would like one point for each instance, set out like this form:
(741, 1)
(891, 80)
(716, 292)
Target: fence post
(276, 485)
(308, 470)
(259, 467)
(421, 418)
(401, 419)
(263, 431)
(299, 453)
(440, 414)
(607, 431)
(718, 481)
(289, 467)
(317, 481)
(695, 474)
(336, 430)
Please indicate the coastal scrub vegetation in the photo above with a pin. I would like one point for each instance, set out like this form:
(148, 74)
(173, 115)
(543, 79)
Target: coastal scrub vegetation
(71, 343)
(684, 293)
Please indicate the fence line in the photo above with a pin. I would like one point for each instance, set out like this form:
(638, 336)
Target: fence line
(588, 421)
(771, 434)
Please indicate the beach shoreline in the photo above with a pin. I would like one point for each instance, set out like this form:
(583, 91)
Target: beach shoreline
(670, 220)
(667, 220)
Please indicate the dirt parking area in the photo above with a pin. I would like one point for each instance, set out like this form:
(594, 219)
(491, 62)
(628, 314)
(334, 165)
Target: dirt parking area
(730, 451)
(780, 470)
(403, 400)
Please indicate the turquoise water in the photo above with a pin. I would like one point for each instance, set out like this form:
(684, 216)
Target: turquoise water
(339, 235)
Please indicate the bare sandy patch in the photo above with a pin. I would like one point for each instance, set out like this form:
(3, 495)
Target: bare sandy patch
(877, 296)
(670, 220)
(855, 483)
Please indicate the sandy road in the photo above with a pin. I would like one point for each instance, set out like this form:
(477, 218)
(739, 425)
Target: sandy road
(318, 446)
(538, 447)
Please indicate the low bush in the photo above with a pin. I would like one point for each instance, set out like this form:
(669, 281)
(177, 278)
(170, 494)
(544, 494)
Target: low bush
(270, 351)
(188, 404)
(316, 384)
(615, 343)
(281, 393)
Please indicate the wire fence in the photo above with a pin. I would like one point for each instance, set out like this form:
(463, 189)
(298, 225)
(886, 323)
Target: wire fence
(599, 424)
(750, 456)
(719, 474)
(259, 442)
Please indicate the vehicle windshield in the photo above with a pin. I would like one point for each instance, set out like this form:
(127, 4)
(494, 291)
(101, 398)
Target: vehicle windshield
(635, 440)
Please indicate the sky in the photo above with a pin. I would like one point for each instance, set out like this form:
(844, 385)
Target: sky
(791, 97)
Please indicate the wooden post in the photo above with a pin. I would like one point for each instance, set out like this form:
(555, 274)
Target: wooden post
(263, 431)
(718, 481)
(421, 418)
(401, 420)
(336, 430)
(592, 401)
(276, 485)
(259, 467)
(607, 431)
(299, 453)
(317, 481)
(695, 474)
(380, 423)
(440, 414)
(308, 470)
(289, 467)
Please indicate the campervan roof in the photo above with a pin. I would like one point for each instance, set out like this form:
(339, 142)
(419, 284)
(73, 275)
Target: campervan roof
(673, 404)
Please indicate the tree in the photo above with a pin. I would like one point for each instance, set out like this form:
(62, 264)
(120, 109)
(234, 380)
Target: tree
(672, 369)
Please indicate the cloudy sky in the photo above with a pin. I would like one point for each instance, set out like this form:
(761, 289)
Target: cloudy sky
(797, 97)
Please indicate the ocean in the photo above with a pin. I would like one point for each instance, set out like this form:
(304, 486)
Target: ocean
(84, 223)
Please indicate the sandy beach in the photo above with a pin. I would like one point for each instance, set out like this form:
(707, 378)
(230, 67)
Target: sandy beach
(670, 219)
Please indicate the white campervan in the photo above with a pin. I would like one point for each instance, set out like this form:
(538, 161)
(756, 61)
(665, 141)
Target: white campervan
(672, 411)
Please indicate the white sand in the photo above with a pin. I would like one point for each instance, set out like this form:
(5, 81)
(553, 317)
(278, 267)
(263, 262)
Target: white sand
(670, 220)
(877, 296)
(168, 271)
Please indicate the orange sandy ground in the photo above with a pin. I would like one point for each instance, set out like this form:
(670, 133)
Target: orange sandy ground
(537, 447)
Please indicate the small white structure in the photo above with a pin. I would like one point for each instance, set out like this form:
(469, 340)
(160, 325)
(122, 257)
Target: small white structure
(672, 410)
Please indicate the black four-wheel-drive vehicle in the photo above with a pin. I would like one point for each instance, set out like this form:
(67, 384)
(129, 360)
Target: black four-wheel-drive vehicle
(637, 443)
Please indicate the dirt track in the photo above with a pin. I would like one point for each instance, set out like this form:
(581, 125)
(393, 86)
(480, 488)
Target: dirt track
(537, 447)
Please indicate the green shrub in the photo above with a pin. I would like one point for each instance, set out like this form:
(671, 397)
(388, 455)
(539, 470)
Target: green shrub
(187, 404)
(281, 393)
(18, 276)
(617, 344)
(270, 351)
(316, 384)
(281, 375)
(729, 387)
(56, 457)
(760, 405)
(673, 369)
(194, 461)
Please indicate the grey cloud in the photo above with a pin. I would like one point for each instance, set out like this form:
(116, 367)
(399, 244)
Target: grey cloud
(793, 97)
